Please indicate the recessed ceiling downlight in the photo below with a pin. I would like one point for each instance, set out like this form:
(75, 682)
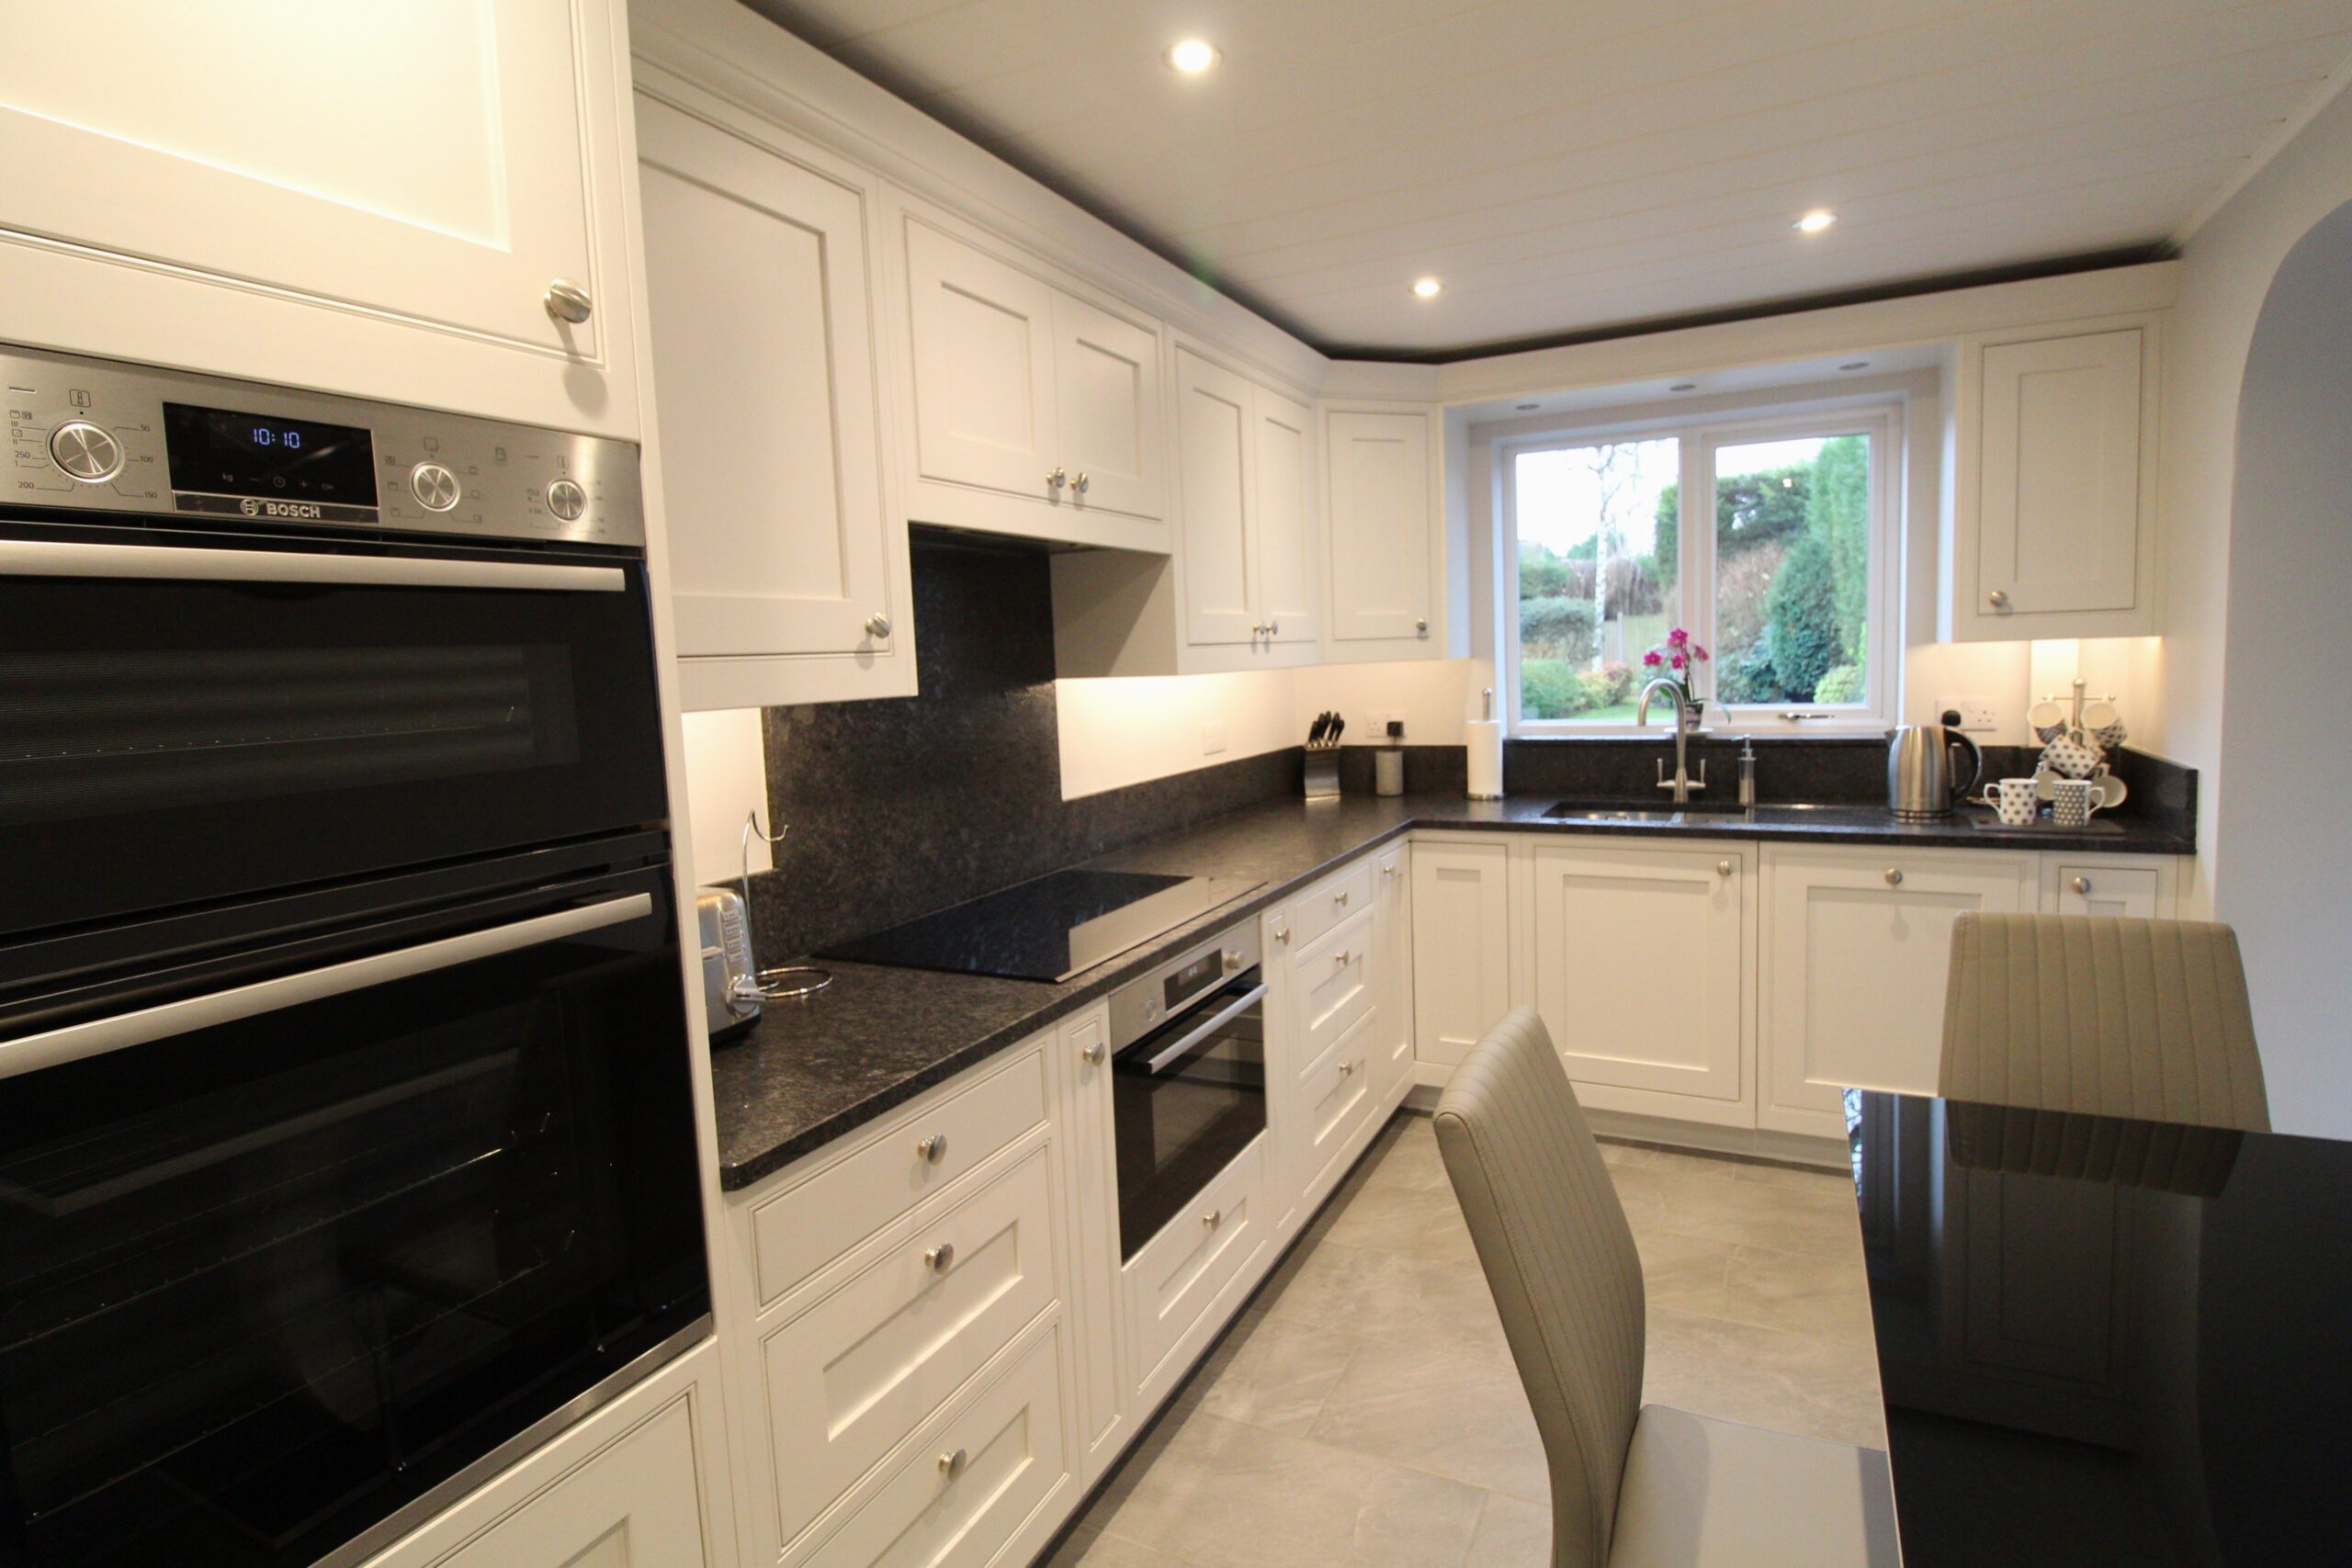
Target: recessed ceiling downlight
(1814, 222)
(1529, 408)
(1193, 55)
(1855, 364)
(1684, 386)
(1427, 287)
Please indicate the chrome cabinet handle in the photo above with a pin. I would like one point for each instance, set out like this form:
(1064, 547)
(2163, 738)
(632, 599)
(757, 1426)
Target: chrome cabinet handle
(933, 1149)
(877, 627)
(567, 301)
(2000, 601)
(1079, 484)
(940, 1258)
(1093, 1054)
(2082, 885)
(170, 563)
(951, 1465)
(1894, 877)
(1212, 1219)
(1055, 479)
(1723, 868)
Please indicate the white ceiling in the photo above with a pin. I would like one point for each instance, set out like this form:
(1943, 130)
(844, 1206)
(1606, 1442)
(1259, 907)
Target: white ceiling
(1570, 166)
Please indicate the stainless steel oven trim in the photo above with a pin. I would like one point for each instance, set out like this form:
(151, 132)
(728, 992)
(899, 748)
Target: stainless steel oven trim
(44, 558)
(98, 1036)
(1225, 1015)
(1136, 1007)
(514, 1450)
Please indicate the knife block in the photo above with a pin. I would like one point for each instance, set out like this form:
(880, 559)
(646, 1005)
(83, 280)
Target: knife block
(1322, 772)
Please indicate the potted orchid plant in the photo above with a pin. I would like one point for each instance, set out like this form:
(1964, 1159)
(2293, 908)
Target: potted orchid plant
(1677, 660)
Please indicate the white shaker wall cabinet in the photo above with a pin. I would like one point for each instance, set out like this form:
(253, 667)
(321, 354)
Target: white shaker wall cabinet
(1035, 412)
(787, 566)
(422, 203)
(1462, 938)
(1644, 974)
(2054, 525)
(1384, 541)
(1283, 447)
(1244, 491)
(1857, 944)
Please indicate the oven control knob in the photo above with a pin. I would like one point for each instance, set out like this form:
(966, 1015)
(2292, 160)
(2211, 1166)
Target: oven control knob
(85, 452)
(1233, 961)
(434, 487)
(566, 499)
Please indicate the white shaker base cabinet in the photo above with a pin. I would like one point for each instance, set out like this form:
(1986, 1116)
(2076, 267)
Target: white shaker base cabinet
(1645, 971)
(1462, 941)
(640, 1483)
(788, 569)
(1856, 945)
(372, 199)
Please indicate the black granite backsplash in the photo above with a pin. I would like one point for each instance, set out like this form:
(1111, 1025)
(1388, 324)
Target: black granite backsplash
(903, 806)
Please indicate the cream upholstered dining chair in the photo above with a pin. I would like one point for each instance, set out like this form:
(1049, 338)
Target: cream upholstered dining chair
(1632, 1487)
(2142, 1018)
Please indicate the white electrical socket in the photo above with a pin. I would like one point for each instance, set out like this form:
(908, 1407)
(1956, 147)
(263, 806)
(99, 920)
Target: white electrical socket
(1976, 712)
(1212, 740)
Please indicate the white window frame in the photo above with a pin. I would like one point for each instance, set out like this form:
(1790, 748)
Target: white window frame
(1878, 418)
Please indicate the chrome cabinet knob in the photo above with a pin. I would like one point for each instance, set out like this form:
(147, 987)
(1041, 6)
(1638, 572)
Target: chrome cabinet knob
(1421, 625)
(1212, 1219)
(1341, 897)
(1387, 871)
(567, 301)
(1347, 1068)
(933, 1149)
(1274, 628)
(1282, 933)
(1339, 960)
(2082, 885)
(1079, 484)
(1093, 1054)
(877, 627)
(1055, 479)
(940, 1258)
(2000, 601)
(951, 1465)
(1894, 877)
(1723, 868)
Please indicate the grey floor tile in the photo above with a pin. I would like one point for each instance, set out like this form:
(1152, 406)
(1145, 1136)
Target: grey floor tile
(1463, 1419)
(1227, 1492)
(1273, 1374)
(1512, 1534)
(1092, 1548)
(1415, 1301)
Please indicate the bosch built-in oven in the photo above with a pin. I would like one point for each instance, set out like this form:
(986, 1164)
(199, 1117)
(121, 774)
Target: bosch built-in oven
(346, 1143)
(1188, 1077)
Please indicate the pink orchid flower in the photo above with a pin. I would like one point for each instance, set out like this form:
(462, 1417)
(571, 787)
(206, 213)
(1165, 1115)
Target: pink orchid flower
(1677, 637)
(1678, 661)
(1653, 658)
(1698, 651)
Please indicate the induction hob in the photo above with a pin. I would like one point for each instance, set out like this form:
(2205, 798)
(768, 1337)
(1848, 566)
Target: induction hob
(1051, 928)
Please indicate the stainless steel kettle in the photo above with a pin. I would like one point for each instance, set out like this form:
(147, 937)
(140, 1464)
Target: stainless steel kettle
(1922, 780)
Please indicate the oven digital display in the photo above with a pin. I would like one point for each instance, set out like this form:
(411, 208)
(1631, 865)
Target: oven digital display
(220, 452)
(1186, 983)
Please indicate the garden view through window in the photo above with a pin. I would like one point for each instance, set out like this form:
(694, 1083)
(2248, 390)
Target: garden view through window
(1778, 595)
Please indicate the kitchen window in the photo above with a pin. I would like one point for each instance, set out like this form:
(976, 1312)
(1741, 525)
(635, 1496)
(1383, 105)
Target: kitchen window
(1788, 587)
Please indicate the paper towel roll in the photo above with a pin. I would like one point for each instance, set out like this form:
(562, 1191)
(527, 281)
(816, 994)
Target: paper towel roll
(1485, 741)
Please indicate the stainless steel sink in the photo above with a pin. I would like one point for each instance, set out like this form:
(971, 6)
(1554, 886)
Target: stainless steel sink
(1570, 811)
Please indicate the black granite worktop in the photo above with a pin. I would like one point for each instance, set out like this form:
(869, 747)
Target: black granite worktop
(812, 1070)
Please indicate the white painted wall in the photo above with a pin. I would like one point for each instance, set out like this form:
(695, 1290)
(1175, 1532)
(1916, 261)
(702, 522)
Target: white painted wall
(726, 778)
(1130, 731)
(2226, 274)
(2284, 847)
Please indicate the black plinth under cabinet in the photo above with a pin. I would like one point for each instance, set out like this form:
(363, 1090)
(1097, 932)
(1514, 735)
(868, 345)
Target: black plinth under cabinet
(2108, 1342)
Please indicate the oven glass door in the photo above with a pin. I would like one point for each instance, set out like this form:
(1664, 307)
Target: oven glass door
(1186, 1099)
(266, 1279)
(182, 719)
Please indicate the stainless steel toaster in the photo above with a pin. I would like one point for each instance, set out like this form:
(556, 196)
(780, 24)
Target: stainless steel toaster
(727, 978)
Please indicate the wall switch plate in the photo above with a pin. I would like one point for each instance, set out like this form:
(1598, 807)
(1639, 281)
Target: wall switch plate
(1976, 712)
(1212, 740)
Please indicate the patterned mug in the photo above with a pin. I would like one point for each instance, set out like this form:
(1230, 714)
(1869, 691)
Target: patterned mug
(2073, 801)
(2073, 755)
(2017, 802)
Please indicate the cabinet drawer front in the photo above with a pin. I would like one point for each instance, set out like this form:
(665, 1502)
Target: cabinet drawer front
(1179, 1272)
(636, 1504)
(1321, 907)
(2133, 892)
(872, 1360)
(1334, 986)
(943, 1512)
(1336, 1094)
(796, 1232)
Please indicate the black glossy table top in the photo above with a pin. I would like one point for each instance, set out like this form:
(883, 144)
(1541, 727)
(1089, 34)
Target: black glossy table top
(2108, 1342)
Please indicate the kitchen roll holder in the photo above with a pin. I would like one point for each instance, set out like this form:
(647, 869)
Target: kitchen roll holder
(786, 982)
